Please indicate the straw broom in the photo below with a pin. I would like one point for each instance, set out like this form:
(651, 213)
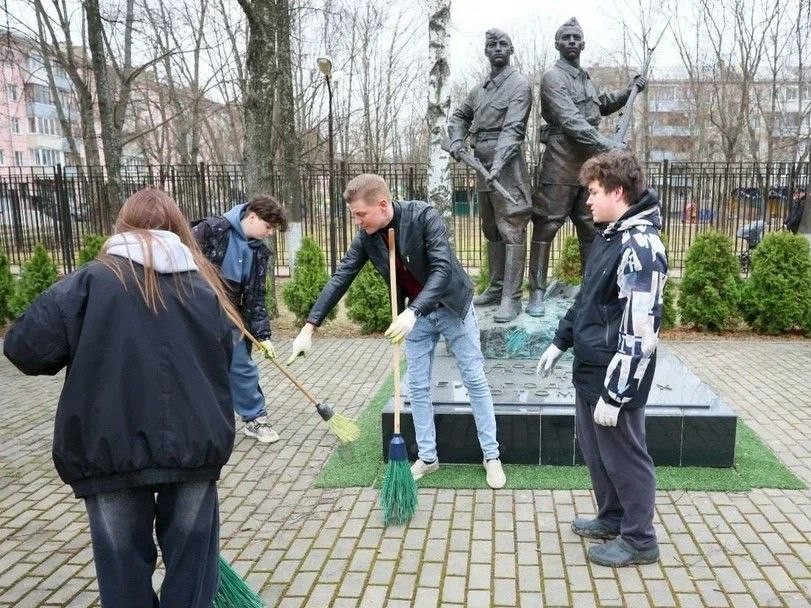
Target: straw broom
(398, 493)
(342, 427)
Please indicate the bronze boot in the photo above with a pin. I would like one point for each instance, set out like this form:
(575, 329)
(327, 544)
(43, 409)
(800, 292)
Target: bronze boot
(538, 266)
(495, 263)
(515, 260)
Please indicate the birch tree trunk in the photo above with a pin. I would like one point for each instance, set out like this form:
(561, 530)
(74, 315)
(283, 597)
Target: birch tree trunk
(291, 148)
(439, 102)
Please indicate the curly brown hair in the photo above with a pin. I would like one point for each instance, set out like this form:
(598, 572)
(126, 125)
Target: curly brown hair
(269, 209)
(615, 169)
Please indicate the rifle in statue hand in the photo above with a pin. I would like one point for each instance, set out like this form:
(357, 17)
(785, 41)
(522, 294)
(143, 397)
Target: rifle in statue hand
(475, 164)
(627, 111)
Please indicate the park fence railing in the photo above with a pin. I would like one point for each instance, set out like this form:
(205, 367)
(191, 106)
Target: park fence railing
(57, 206)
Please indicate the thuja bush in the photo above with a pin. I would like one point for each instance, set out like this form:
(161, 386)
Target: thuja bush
(567, 268)
(6, 289)
(709, 292)
(368, 302)
(669, 311)
(36, 275)
(91, 246)
(777, 294)
(309, 277)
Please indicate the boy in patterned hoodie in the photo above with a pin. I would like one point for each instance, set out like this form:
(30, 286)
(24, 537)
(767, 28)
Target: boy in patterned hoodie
(613, 326)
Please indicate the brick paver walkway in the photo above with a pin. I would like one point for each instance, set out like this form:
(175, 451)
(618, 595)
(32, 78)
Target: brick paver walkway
(308, 547)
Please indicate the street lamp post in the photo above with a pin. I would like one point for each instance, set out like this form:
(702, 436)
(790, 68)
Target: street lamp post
(325, 66)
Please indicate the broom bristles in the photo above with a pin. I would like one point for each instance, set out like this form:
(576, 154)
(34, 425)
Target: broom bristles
(344, 429)
(233, 592)
(398, 493)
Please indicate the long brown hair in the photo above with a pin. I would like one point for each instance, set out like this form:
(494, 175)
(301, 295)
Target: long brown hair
(153, 209)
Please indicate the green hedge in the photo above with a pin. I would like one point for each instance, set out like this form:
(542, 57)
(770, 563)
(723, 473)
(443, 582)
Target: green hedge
(309, 277)
(777, 295)
(710, 289)
(36, 276)
(368, 301)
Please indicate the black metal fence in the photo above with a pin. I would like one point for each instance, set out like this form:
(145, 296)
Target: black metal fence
(57, 206)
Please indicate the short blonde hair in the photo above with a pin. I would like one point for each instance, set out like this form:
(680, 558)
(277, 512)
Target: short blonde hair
(367, 186)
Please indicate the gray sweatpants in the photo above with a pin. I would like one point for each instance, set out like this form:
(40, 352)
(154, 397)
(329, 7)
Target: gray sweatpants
(621, 471)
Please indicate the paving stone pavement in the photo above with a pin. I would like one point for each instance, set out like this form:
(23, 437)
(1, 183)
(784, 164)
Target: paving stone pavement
(304, 546)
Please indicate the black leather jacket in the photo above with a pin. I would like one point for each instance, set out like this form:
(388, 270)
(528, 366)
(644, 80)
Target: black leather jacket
(423, 247)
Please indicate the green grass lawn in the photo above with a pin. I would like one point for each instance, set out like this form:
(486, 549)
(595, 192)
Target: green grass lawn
(360, 464)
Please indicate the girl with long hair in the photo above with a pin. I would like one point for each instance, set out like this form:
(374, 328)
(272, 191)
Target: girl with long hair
(144, 422)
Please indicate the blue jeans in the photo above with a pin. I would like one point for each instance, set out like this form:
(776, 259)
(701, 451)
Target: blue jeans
(185, 517)
(249, 401)
(462, 337)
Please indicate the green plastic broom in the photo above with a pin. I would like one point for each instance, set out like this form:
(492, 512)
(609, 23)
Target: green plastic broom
(398, 493)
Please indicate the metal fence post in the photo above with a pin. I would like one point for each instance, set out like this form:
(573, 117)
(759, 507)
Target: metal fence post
(65, 223)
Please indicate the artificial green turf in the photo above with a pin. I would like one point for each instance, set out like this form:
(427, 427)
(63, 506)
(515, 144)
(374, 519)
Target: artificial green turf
(360, 464)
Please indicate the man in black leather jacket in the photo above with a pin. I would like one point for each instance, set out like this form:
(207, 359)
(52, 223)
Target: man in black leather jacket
(439, 295)
(571, 106)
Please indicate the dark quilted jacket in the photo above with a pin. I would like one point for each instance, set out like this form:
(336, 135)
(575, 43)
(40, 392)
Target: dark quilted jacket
(212, 234)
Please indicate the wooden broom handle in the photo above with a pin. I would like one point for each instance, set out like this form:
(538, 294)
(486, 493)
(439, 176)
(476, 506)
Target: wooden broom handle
(395, 351)
(281, 368)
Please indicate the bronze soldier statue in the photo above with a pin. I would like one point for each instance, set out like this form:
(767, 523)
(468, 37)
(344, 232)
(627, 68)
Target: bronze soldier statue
(494, 118)
(572, 106)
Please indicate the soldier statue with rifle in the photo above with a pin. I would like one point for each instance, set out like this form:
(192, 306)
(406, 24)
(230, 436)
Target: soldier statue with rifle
(493, 118)
(572, 107)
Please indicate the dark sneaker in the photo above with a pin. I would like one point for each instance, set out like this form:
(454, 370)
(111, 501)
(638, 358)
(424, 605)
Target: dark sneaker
(618, 553)
(593, 528)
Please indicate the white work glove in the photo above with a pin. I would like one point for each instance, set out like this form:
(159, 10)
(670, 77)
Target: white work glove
(267, 346)
(548, 360)
(302, 344)
(401, 326)
(605, 414)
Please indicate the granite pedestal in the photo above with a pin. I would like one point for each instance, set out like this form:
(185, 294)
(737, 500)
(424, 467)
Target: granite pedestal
(687, 424)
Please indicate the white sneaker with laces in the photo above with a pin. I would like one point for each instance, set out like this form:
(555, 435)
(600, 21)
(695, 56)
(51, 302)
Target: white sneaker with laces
(419, 469)
(259, 429)
(496, 478)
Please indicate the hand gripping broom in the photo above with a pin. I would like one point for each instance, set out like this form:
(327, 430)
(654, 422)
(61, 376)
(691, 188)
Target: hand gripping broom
(398, 493)
(342, 427)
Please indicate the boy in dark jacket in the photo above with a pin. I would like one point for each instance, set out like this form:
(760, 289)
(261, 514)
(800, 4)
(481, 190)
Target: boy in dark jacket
(233, 243)
(613, 326)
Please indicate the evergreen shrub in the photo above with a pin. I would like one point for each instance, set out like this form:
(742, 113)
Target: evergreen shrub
(36, 275)
(6, 289)
(567, 268)
(368, 301)
(777, 294)
(309, 277)
(710, 289)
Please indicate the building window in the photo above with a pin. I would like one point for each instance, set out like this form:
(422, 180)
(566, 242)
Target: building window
(11, 92)
(15, 125)
(46, 157)
(46, 126)
(18, 158)
(2, 157)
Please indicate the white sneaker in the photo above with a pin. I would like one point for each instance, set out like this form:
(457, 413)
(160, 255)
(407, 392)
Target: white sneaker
(260, 430)
(419, 469)
(495, 474)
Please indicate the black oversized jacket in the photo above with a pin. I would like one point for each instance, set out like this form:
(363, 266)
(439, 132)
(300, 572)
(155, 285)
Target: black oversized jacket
(146, 398)
(423, 247)
(212, 234)
(614, 322)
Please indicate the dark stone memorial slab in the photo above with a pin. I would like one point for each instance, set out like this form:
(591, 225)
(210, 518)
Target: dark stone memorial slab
(687, 424)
